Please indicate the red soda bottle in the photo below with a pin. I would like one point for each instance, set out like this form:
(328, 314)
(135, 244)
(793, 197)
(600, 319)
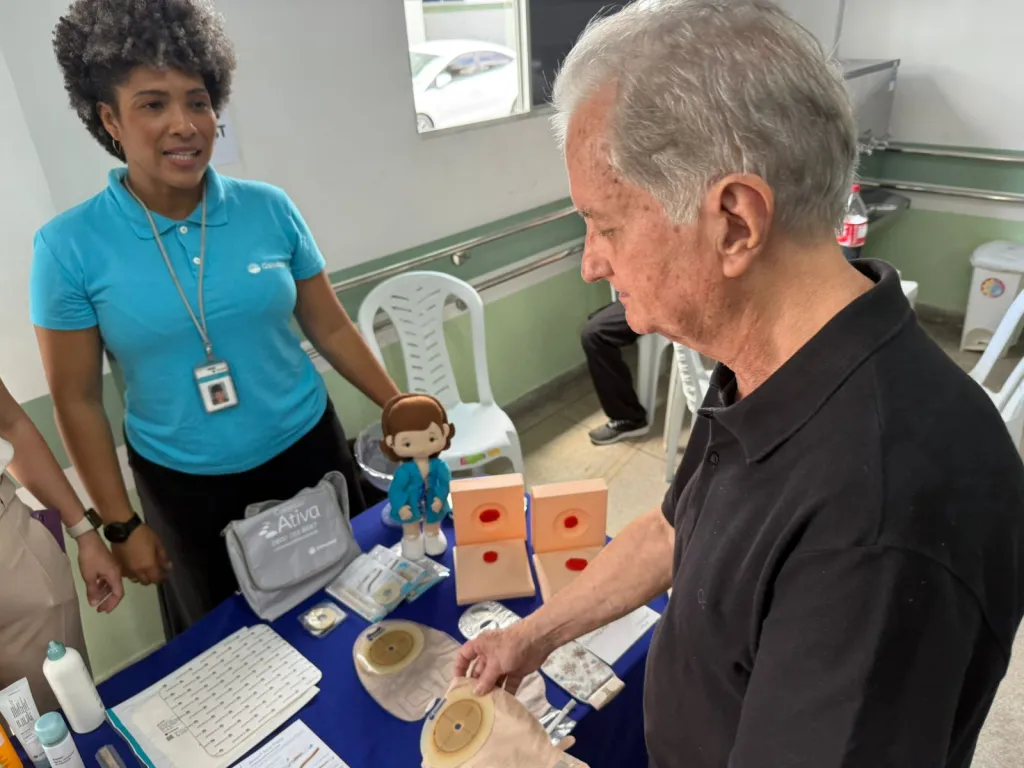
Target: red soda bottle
(854, 230)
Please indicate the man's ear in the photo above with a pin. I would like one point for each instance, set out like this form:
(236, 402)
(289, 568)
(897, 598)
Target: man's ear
(742, 207)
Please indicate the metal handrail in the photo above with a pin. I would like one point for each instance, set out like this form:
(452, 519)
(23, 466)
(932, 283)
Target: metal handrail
(961, 154)
(942, 189)
(456, 252)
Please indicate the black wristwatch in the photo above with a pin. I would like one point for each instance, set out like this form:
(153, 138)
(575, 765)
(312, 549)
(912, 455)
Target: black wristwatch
(118, 533)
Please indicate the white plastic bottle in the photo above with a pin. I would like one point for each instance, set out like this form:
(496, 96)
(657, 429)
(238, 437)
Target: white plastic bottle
(72, 684)
(59, 746)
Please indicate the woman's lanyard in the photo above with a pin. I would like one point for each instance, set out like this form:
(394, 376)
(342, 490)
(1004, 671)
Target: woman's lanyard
(216, 387)
(200, 322)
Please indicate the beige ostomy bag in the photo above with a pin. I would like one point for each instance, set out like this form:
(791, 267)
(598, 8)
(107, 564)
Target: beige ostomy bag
(405, 666)
(493, 731)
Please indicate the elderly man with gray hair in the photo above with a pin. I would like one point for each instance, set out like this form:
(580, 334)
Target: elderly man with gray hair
(844, 535)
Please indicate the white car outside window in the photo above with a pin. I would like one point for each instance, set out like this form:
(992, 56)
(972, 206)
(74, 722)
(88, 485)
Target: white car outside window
(456, 82)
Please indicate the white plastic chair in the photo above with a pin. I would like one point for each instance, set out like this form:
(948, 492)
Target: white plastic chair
(1010, 398)
(693, 379)
(415, 301)
(910, 291)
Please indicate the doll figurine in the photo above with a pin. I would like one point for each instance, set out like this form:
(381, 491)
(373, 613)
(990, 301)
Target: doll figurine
(416, 430)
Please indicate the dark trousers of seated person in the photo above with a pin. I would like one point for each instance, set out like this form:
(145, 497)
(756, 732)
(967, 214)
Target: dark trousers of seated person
(188, 513)
(603, 338)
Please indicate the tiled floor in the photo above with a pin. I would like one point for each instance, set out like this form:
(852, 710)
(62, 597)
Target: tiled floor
(553, 428)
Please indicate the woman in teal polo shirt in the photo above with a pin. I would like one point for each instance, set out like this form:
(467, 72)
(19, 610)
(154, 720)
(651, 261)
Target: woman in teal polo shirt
(191, 280)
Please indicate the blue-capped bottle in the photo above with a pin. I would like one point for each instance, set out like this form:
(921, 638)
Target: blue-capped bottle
(74, 688)
(58, 744)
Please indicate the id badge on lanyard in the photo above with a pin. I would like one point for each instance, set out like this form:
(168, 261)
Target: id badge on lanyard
(216, 387)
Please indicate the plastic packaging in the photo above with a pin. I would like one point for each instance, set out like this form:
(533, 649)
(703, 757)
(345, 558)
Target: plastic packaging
(19, 710)
(433, 572)
(855, 221)
(8, 756)
(322, 618)
(74, 688)
(369, 588)
(413, 573)
(60, 746)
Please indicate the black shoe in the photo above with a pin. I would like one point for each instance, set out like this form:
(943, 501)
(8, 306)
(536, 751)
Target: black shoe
(616, 430)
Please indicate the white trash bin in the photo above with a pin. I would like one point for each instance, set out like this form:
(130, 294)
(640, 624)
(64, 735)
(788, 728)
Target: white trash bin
(998, 267)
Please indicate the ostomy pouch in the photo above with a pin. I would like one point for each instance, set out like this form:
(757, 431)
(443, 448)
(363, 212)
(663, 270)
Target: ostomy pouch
(464, 730)
(405, 666)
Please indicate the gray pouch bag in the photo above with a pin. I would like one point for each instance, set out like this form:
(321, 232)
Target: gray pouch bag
(285, 551)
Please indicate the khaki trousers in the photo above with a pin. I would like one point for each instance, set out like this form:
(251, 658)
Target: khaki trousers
(38, 602)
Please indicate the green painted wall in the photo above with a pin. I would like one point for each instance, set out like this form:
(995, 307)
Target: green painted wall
(934, 248)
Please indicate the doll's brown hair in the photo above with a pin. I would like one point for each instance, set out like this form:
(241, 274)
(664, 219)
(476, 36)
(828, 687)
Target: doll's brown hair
(412, 412)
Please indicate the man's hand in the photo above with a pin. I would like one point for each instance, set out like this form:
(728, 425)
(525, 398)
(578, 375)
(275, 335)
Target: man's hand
(505, 656)
(100, 572)
(405, 512)
(142, 557)
(436, 506)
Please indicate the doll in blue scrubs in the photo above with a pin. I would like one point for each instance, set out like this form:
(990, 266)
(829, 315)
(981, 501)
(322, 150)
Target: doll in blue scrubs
(416, 430)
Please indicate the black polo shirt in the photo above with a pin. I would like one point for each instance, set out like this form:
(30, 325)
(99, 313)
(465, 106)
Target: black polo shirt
(848, 560)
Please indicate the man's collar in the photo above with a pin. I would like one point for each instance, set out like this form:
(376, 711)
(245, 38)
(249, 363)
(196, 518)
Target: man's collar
(791, 396)
(216, 207)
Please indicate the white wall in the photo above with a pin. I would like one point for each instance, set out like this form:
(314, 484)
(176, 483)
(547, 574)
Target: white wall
(960, 65)
(323, 107)
(819, 16)
(25, 204)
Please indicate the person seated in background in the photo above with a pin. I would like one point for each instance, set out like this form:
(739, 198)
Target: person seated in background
(603, 338)
(843, 537)
(190, 280)
(38, 602)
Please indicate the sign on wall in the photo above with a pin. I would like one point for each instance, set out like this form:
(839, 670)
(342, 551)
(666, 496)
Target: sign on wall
(225, 149)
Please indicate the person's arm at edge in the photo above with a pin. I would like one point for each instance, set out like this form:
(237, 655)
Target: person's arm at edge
(333, 334)
(39, 472)
(34, 465)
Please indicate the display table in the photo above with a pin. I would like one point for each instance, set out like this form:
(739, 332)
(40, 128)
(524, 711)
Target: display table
(345, 716)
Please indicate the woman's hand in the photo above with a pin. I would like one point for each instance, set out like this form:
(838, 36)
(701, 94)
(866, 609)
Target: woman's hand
(437, 505)
(143, 557)
(100, 572)
(405, 512)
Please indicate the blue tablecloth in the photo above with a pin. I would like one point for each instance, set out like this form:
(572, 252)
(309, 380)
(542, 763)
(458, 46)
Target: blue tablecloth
(345, 716)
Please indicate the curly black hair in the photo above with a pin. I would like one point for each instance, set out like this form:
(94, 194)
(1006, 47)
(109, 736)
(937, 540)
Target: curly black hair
(99, 42)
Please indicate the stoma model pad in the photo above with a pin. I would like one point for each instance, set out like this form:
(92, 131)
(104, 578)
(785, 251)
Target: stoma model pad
(405, 666)
(491, 562)
(493, 731)
(567, 530)
(573, 668)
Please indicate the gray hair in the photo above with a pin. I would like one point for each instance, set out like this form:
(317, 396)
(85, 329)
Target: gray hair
(705, 88)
